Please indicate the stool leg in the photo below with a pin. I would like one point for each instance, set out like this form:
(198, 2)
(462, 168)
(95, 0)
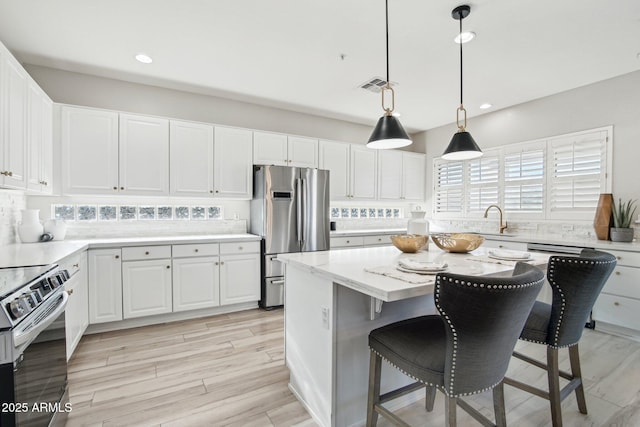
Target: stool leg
(430, 398)
(450, 404)
(498, 405)
(375, 366)
(553, 376)
(576, 372)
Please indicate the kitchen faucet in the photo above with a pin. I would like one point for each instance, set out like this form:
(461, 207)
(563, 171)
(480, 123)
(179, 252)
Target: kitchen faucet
(502, 227)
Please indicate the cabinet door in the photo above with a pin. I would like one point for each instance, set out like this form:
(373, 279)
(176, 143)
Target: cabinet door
(77, 311)
(146, 288)
(239, 278)
(390, 175)
(13, 123)
(191, 158)
(334, 156)
(46, 161)
(89, 151)
(196, 283)
(363, 172)
(34, 136)
(413, 176)
(144, 155)
(270, 149)
(105, 285)
(232, 163)
(302, 152)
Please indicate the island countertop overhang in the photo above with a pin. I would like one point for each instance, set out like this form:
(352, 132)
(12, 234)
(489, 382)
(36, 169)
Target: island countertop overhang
(347, 268)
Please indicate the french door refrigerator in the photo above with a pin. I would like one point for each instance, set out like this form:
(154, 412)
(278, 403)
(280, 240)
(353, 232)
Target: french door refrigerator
(290, 210)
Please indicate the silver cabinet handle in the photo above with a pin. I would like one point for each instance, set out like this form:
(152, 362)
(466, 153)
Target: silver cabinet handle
(6, 173)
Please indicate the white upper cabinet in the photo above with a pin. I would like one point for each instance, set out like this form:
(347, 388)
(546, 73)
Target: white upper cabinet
(363, 172)
(13, 122)
(144, 155)
(302, 152)
(191, 158)
(270, 149)
(353, 170)
(334, 156)
(89, 151)
(413, 176)
(232, 163)
(401, 175)
(282, 150)
(39, 140)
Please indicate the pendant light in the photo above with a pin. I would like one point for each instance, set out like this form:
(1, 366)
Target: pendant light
(388, 133)
(462, 145)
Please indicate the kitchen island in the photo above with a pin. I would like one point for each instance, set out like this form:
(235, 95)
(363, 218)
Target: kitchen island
(331, 305)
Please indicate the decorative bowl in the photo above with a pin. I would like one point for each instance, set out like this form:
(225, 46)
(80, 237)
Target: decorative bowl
(409, 243)
(457, 242)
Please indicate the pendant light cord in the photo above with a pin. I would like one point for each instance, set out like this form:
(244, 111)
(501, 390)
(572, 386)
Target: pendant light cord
(460, 37)
(386, 4)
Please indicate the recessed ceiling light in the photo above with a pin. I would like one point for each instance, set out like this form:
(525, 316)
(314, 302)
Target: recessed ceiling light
(145, 59)
(467, 36)
(485, 106)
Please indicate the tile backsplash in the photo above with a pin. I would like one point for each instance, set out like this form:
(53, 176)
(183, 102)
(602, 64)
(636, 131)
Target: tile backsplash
(11, 202)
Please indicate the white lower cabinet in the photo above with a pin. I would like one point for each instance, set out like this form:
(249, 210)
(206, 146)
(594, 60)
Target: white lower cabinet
(239, 278)
(77, 311)
(146, 288)
(105, 285)
(619, 302)
(501, 244)
(369, 240)
(140, 281)
(196, 283)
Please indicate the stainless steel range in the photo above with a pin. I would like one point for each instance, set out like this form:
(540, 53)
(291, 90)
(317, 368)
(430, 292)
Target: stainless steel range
(33, 360)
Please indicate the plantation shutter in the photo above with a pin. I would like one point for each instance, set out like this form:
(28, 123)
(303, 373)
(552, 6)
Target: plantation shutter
(483, 182)
(576, 173)
(524, 178)
(448, 187)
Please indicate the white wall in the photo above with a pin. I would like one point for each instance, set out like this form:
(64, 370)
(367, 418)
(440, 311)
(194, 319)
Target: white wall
(610, 102)
(99, 92)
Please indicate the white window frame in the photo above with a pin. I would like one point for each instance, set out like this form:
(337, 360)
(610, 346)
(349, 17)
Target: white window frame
(548, 183)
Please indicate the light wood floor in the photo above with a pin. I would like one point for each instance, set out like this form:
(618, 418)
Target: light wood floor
(228, 370)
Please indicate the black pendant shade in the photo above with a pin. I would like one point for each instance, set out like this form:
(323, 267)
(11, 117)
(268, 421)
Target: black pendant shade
(462, 147)
(388, 133)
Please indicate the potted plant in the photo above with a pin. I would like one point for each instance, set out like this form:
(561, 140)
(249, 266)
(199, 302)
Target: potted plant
(622, 217)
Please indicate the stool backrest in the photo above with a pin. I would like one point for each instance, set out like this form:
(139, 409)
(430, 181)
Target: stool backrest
(483, 317)
(576, 283)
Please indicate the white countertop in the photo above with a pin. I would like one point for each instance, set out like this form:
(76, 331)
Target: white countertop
(346, 267)
(25, 254)
(548, 239)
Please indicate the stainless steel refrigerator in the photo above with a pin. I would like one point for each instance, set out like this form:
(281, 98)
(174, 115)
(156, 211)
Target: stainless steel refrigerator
(290, 210)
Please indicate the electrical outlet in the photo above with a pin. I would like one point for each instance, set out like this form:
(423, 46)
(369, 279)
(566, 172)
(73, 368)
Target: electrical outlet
(325, 317)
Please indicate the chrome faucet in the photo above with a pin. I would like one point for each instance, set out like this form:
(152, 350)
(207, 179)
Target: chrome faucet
(502, 227)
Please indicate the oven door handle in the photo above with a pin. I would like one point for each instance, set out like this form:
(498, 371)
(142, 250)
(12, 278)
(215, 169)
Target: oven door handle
(25, 336)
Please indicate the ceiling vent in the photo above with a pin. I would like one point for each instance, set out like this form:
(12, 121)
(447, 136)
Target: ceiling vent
(375, 84)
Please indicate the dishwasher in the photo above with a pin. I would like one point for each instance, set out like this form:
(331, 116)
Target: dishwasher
(546, 294)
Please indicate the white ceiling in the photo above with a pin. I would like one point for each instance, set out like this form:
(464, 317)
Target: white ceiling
(287, 53)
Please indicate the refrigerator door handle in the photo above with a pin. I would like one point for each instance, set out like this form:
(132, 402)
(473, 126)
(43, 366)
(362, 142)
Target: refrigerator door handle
(305, 209)
(299, 208)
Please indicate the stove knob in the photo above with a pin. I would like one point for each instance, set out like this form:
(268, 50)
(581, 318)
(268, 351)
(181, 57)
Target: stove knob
(29, 300)
(17, 309)
(66, 274)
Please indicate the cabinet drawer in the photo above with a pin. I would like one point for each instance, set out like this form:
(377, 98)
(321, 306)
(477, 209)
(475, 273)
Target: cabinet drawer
(73, 263)
(501, 244)
(345, 242)
(239, 248)
(382, 239)
(617, 310)
(146, 252)
(201, 249)
(624, 281)
(631, 259)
